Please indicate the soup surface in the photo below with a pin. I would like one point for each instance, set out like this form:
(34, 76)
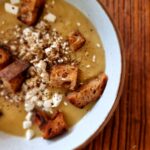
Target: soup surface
(68, 20)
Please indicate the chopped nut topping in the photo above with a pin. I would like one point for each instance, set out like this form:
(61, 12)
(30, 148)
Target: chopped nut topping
(29, 134)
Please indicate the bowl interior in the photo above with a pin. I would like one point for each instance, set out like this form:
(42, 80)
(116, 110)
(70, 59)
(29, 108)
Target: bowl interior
(97, 116)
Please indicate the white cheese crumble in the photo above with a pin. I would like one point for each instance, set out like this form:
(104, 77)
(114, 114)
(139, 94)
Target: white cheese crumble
(14, 1)
(29, 134)
(34, 98)
(11, 8)
(29, 106)
(41, 66)
(48, 50)
(47, 104)
(50, 17)
(27, 31)
(31, 93)
(27, 124)
(53, 102)
(39, 103)
(56, 99)
(29, 116)
(45, 76)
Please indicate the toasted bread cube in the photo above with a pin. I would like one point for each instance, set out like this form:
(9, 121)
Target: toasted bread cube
(40, 118)
(76, 40)
(4, 57)
(50, 126)
(14, 84)
(12, 75)
(30, 11)
(88, 92)
(64, 76)
(54, 127)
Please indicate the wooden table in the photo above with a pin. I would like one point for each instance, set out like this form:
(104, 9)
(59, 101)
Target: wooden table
(129, 128)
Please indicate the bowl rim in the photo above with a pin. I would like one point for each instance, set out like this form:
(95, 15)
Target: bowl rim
(122, 79)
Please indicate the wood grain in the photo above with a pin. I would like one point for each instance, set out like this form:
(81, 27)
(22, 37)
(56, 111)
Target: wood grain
(129, 128)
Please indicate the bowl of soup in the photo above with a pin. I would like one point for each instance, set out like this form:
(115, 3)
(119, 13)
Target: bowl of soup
(61, 73)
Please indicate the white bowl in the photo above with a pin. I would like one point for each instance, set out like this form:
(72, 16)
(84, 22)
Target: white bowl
(97, 118)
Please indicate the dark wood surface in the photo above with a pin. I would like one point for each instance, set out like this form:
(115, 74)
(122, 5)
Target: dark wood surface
(129, 128)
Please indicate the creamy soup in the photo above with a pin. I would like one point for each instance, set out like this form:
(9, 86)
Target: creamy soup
(68, 19)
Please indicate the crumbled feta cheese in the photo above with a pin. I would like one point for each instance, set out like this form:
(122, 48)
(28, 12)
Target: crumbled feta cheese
(78, 24)
(41, 66)
(50, 17)
(39, 103)
(45, 76)
(27, 124)
(29, 106)
(27, 31)
(31, 93)
(29, 116)
(54, 45)
(98, 45)
(60, 60)
(56, 99)
(11, 8)
(46, 92)
(14, 1)
(42, 86)
(29, 134)
(48, 50)
(34, 99)
(47, 104)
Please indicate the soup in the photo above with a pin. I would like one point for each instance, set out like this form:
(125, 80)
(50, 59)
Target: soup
(91, 57)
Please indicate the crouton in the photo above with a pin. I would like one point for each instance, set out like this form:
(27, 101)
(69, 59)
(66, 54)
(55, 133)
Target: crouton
(12, 75)
(55, 127)
(40, 118)
(88, 92)
(14, 84)
(64, 76)
(4, 57)
(30, 11)
(76, 40)
(50, 127)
